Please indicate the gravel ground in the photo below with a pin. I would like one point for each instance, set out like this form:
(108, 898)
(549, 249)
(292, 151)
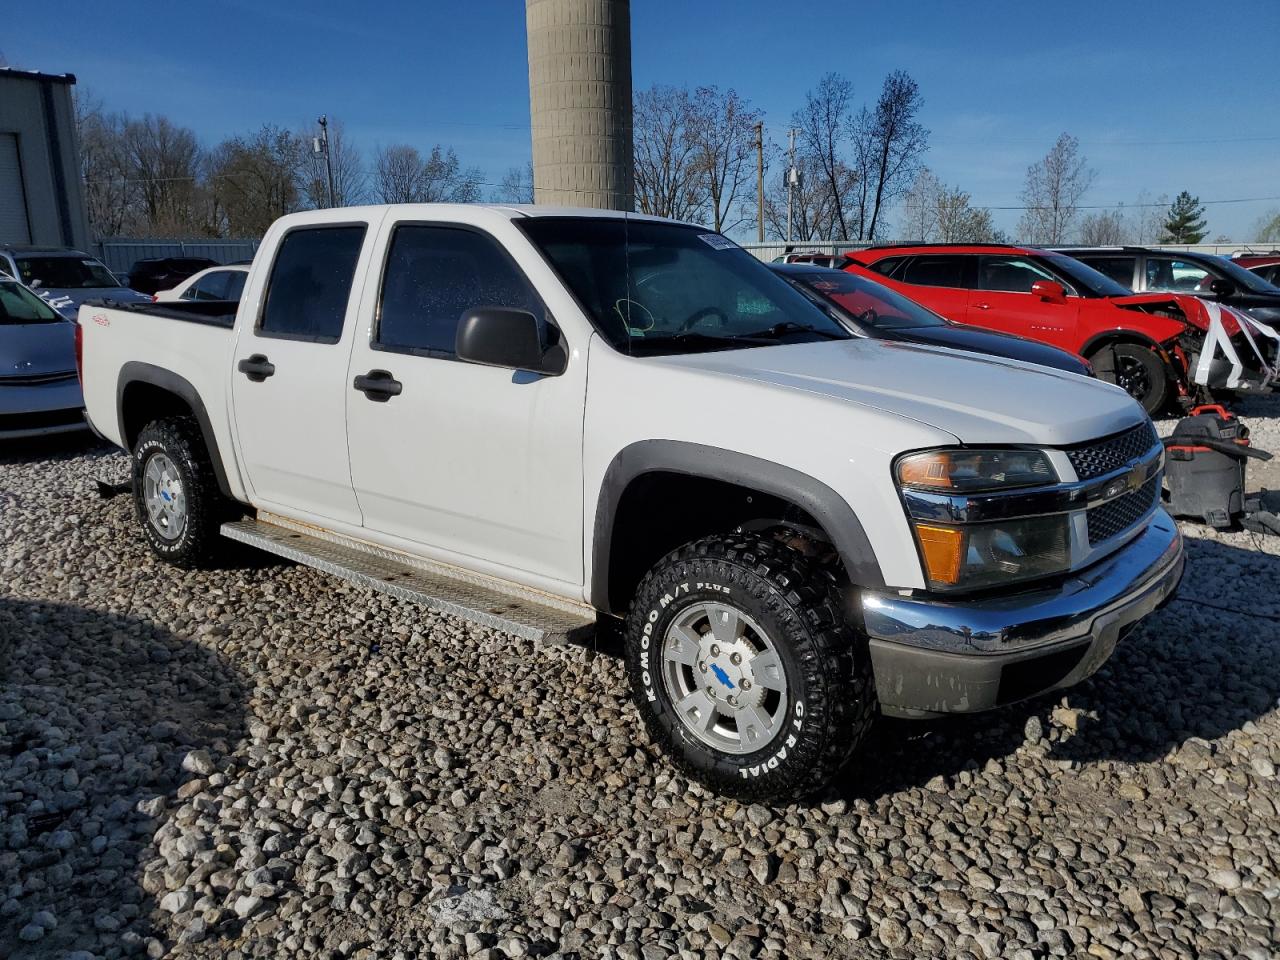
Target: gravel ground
(262, 761)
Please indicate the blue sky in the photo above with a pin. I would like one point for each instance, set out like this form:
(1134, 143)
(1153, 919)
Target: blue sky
(1163, 96)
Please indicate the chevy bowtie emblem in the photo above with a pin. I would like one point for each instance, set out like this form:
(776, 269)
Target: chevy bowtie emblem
(1129, 482)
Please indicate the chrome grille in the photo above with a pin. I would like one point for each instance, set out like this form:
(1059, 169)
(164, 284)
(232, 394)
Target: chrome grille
(1116, 516)
(1097, 457)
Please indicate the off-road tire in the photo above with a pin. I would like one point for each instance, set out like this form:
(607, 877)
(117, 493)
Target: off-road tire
(179, 438)
(829, 681)
(1155, 396)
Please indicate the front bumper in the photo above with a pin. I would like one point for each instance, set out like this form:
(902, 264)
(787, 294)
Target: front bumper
(934, 657)
(34, 409)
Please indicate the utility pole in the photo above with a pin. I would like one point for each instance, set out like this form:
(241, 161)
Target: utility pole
(792, 177)
(759, 182)
(322, 143)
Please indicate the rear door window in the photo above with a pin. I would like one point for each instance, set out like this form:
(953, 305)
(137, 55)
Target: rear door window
(310, 284)
(212, 286)
(436, 274)
(936, 271)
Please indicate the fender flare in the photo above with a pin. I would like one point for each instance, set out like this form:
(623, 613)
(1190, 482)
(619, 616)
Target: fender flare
(1118, 335)
(827, 507)
(137, 372)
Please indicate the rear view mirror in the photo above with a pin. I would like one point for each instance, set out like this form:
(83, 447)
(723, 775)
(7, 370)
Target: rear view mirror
(503, 337)
(1049, 291)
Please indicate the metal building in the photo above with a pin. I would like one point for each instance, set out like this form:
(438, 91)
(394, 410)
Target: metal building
(41, 197)
(580, 102)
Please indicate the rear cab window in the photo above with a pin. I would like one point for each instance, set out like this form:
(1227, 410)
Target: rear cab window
(310, 283)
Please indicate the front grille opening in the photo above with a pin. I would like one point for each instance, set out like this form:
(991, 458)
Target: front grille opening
(1097, 457)
(1114, 518)
(1026, 678)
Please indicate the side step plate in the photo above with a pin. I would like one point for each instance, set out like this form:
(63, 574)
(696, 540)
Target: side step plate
(526, 614)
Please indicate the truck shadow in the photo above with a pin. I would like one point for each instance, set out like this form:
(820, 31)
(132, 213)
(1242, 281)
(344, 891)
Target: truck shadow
(97, 713)
(1201, 667)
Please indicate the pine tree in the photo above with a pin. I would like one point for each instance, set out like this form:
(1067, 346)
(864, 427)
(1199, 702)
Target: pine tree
(1185, 222)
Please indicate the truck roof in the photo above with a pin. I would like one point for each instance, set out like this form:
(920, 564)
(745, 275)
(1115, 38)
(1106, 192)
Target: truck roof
(507, 210)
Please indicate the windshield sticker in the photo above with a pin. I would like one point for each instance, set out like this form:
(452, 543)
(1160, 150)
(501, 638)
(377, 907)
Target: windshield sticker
(717, 242)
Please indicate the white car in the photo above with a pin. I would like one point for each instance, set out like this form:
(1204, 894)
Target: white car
(536, 417)
(212, 283)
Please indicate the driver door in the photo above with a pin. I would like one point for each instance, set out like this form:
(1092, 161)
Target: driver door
(1003, 301)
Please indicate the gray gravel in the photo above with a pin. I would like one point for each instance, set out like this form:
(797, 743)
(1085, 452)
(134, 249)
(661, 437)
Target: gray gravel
(262, 761)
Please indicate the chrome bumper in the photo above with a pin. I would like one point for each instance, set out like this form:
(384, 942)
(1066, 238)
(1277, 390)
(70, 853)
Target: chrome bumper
(935, 657)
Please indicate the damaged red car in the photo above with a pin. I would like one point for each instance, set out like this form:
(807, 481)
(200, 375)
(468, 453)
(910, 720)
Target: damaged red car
(1149, 344)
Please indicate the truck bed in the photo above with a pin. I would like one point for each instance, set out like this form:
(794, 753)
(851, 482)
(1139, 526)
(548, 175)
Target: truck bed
(216, 313)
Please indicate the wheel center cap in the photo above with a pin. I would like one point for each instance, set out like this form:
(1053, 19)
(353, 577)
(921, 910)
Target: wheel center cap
(729, 678)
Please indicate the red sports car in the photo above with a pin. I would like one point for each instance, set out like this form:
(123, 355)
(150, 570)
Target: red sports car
(1146, 343)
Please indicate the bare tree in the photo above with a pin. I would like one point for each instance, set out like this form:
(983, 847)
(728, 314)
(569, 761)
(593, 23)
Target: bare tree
(516, 186)
(444, 180)
(1267, 228)
(920, 207)
(108, 190)
(961, 222)
(723, 133)
(825, 124)
(350, 181)
(163, 160)
(1148, 217)
(813, 211)
(397, 174)
(668, 171)
(1104, 228)
(254, 180)
(897, 141)
(1054, 188)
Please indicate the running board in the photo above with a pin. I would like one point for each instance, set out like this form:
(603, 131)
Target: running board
(482, 600)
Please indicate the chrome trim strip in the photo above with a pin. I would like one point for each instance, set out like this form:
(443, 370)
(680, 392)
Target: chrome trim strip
(1138, 577)
(1035, 502)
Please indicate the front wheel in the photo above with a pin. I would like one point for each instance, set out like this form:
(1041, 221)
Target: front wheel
(745, 670)
(1139, 370)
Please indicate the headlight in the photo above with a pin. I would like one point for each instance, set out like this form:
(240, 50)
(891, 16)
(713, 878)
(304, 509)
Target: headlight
(962, 471)
(974, 555)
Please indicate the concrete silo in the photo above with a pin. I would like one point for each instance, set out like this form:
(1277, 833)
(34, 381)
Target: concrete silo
(580, 102)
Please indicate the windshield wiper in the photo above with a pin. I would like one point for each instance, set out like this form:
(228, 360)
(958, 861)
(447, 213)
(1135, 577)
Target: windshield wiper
(790, 326)
(692, 338)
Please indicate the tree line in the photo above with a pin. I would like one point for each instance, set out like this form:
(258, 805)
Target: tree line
(148, 176)
(859, 175)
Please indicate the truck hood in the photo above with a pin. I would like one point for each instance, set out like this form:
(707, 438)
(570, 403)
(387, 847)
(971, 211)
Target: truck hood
(67, 300)
(976, 399)
(37, 349)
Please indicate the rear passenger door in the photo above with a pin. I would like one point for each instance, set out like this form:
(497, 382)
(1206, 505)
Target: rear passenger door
(288, 378)
(1003, 301)
(471, 464)
(940, 281)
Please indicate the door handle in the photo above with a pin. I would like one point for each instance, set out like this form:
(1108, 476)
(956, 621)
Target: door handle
(378, 385)
(983, 306)
(257, 367)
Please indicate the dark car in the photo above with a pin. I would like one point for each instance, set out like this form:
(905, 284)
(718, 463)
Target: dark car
(873, 310)
(1200, 274)
(163, 273)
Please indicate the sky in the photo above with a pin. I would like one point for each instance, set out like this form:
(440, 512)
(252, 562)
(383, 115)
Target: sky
(1164, 95)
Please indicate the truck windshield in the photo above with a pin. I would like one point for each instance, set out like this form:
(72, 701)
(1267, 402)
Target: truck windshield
(64, 273)
(20, 305)
(870, 302)
(661, 288)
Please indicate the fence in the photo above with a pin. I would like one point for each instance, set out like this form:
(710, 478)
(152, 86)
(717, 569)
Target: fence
(120, 255)
(770, 251)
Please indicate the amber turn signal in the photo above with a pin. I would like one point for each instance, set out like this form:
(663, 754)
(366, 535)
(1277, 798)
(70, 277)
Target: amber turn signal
(942, 548)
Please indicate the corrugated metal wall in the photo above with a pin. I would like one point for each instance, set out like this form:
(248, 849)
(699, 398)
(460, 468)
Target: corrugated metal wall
(120, 255)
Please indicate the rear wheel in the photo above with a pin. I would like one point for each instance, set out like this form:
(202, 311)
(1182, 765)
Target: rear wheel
(175, 493)
(1139, 370)
(744, 668)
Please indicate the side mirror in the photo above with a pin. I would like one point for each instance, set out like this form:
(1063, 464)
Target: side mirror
(503, 337)
(1221, 287)
(1049, 290)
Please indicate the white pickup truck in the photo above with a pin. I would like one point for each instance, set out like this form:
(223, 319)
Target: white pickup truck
(536, 418)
